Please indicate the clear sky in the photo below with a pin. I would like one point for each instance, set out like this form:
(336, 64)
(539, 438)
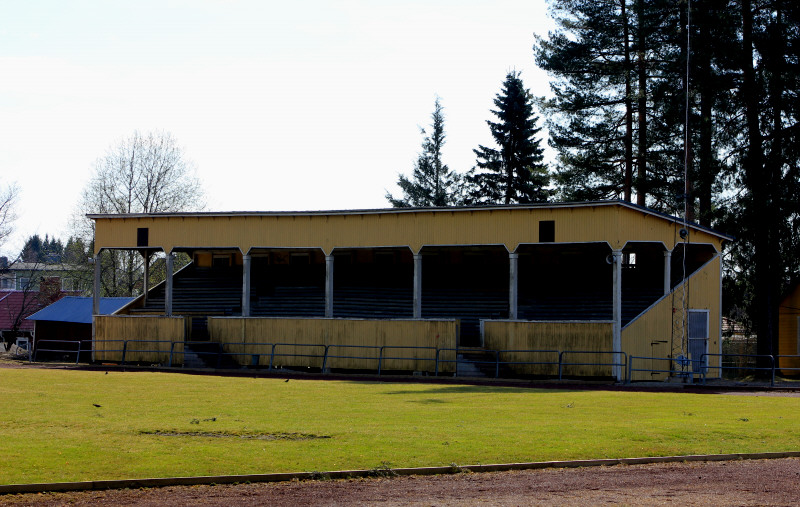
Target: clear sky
(300, 105)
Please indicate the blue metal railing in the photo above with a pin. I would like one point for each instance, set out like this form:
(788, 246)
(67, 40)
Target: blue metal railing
(758, 357)
(623, 366)
(383, 355)
(73, 347)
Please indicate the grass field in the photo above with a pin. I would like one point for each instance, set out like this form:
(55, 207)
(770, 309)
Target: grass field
(163, 424)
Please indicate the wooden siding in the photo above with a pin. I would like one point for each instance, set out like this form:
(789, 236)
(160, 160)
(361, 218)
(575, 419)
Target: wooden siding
(651, 334)
(148, 338)
(560, 336)
(303, 340)
(789, 311)
(613, 223)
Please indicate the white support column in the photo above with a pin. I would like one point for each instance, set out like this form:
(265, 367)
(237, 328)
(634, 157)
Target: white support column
(168, 285)
(667, 272)
(146, 281)
(417, 286)
(96, 291)
(245, 285)
(96, 298)
(616, 313)
(513, 285)
(329, 286)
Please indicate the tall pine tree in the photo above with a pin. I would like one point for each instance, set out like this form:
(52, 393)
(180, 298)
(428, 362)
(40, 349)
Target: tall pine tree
(432, 183)
(513, 172)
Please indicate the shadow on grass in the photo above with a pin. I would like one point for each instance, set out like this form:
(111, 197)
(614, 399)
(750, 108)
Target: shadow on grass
(483, 389)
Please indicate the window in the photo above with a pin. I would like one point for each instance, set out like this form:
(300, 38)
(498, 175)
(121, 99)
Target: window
(628, 260)
(6, 283)
(23, 282)
(547, 231)
(142, 236)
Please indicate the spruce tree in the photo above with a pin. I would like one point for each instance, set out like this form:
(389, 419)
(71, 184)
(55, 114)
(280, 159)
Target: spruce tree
(432, 183)
(513, 172)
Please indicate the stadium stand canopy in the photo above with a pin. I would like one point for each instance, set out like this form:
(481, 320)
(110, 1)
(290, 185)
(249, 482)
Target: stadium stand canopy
(603, 277)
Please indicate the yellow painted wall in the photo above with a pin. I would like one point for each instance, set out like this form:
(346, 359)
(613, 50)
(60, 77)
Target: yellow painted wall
(559, 336)
(651, 335)
(316, 333)
(613, 223)
(789, 311)
(142, 334)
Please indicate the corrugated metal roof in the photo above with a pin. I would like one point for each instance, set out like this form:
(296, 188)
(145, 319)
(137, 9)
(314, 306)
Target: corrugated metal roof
(78, 309)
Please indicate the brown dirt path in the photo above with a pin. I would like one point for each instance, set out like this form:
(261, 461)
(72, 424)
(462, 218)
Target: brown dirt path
(751, 482)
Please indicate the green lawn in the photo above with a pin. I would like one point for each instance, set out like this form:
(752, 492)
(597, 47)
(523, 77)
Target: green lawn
(162, 424)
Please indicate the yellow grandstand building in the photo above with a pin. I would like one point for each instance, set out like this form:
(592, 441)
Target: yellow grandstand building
(598, 289)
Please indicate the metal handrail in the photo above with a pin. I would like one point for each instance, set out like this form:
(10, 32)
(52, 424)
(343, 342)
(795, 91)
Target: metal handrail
(109, 350)
(274, 345)
(669, 360)
(381, 357)
(531, 351)
(771, 368)
(77, 351)
(328, 355)
(561, 363)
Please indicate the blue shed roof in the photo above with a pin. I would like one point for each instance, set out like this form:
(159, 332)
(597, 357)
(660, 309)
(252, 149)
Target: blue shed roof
(78, 309)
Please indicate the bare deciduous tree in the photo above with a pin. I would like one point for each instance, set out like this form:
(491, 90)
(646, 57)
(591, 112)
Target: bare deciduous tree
(144, 173)
(8, 199)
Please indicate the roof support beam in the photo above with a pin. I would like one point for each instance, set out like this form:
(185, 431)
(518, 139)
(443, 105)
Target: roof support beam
(616, 313)
(246, 285)
(667, 272)
(417, 286)
(513, 285)
(168, 285)
(329, 286)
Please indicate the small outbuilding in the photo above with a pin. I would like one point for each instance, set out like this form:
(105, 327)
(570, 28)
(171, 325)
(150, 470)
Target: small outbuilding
(69, 320)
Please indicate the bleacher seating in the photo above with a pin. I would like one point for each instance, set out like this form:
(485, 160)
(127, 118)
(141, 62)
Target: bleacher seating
(593, 305)
(288, 302)
(207, 291)
(200, 291)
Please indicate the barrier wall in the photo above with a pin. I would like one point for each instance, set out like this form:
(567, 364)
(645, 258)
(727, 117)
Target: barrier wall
(345, 337)
(148, 338)
(511, 335)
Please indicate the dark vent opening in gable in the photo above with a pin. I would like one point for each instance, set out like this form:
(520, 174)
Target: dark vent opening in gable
(142, 236)
(547, 231)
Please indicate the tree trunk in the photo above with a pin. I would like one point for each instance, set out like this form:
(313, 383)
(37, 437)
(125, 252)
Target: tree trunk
(627, 192)
(641, 174)
(755, 179)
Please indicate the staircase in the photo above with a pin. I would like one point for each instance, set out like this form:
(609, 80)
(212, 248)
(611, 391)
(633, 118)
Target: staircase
(478, 362)
(207, 355)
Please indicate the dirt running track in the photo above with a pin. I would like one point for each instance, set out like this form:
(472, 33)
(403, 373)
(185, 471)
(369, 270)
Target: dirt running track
(754, 482)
